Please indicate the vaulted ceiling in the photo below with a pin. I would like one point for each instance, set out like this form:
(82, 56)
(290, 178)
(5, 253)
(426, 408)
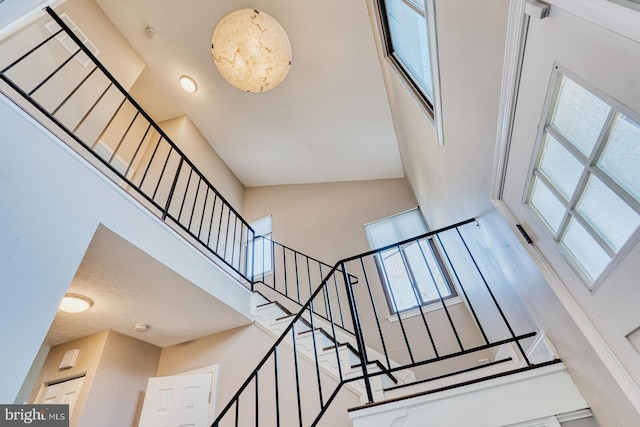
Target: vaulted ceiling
(328, 121)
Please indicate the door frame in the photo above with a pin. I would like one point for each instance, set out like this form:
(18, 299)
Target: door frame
(612, 16)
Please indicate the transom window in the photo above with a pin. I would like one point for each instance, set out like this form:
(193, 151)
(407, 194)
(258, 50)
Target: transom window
(260, 250)
(406, 37)
(413, 274)
(584, 185)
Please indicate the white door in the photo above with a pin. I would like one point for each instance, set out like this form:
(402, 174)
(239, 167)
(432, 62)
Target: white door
(177, 401)
(607, 64)
(65, 392)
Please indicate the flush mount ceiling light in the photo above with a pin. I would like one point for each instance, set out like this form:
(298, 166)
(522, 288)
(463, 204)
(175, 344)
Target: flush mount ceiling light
(251, 50)
(188, 84)
(75, 303)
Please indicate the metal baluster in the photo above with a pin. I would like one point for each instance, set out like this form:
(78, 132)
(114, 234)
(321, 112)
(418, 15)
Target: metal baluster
(257, 402)
(53, 73)
(135, 154)
(113, 155)
(104, 129)
(295, 262)
(173, 187)
(95, 104)
(213, 211)
(153, 155)
(414, 287)
(295, 360)
(184, 198)
(455, 273)
(358, 332)
(75, 89)
(204, 210)
(195, 202)
(333, 330)
(395, 306)
(435, 284)
(38, 46)
(315, 351)
(277, 391)
(164, 167)
(493, 298)
(375, 313)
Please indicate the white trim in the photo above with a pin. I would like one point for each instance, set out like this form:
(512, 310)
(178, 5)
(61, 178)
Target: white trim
(602, 349)
(425, 309)
(514, 53)
(575, 415)
(28, 17)
(605, 13)
(435, 70)
(615, 18)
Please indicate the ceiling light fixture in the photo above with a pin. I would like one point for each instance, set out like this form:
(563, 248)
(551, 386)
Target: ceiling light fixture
(75, 303)
(188, 84)
(251, 50)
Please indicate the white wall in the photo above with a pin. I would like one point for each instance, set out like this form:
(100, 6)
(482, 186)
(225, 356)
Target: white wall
(326, 221)
(186, 136)
(52, 204)
(453, 182)
(15, 12)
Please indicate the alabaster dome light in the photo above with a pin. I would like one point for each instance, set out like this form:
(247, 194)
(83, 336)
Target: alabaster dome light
(251, 50)
(75, 303)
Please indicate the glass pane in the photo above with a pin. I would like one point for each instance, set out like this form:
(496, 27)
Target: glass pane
(560, 167)
(395, 229)
(401, 295)
(621, 156)
(426, 273)
(408, 31)
(547, 205)
(579, 115)
(585, 250)
(607, 213)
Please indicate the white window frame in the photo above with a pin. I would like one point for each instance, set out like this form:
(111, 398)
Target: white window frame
(426, 305)
(253, 249)
(591, 169)
(431, 108)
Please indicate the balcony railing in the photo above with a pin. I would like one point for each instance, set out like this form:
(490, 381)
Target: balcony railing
(47, 65)
(349, 333)
(369, 323)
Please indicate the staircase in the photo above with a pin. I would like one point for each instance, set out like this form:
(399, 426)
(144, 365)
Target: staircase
(337, 329)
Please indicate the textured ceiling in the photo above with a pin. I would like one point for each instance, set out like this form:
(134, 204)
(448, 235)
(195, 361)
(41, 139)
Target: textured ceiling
(128, 287)
(328, 121)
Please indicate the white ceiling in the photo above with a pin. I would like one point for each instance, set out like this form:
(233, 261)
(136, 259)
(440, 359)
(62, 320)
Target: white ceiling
(129, 287)
(328, 121)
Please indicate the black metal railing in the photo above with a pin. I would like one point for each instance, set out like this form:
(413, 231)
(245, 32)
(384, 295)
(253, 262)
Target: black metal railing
(387, 316)
(411, 311)
(47, 65)
(290, 277)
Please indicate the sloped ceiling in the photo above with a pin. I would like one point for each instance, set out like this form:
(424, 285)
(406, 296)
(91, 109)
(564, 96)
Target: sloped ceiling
(328, 121)
(129, 287)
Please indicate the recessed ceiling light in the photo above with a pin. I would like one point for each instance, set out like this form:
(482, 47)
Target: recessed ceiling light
(75, 303)
(188, 84)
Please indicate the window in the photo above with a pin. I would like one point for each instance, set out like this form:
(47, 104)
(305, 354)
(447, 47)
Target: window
(413, 274)
(407, 44)
(584, 185)
(263, 248)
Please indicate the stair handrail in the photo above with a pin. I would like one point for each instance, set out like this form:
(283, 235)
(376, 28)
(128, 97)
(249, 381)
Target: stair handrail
(246, 232)
(358, 335)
